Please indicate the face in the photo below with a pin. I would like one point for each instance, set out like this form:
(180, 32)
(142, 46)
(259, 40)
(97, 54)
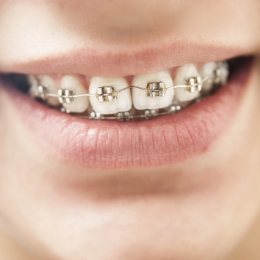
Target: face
(180, 186)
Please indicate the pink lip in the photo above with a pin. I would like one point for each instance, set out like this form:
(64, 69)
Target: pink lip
(124, 61)
(161, 141)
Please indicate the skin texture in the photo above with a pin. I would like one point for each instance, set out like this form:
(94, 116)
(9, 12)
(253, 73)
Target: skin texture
(56, 210)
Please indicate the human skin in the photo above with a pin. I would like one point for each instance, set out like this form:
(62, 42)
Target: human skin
(60, 210)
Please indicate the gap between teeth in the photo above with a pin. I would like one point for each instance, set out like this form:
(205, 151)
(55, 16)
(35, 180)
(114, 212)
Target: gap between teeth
(149, 95)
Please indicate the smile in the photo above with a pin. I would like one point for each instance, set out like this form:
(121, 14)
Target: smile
(145, 96)
(206, 97)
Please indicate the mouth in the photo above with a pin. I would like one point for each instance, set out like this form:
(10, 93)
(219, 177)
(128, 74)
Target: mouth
(143, 120)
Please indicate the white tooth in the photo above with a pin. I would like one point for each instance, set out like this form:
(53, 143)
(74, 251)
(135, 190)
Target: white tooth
(52, 87)
(208, 72)
(33, 86)
(224, 72)
(78, 104)
(123, 101)
(209, 69)
(143, 101)
(184, 73)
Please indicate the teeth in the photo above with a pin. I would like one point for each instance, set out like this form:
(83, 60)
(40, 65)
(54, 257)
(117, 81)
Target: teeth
(153, 93)
(106, 99)
(208, 71)
(158, 92)
(33, 86)
(223, 73)
(217, 74)
(75, 87)
(183, 74)
(52, 86)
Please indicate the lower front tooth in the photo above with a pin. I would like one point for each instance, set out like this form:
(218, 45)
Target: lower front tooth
(109, 95)
(156, 90)
(184, 75)
(73, 86)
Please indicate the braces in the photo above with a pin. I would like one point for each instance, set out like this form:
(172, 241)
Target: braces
(153, 90)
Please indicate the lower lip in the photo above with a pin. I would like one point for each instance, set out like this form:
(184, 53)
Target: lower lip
(158, 142)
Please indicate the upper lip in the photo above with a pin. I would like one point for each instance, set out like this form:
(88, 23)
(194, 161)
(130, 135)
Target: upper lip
(122, 61)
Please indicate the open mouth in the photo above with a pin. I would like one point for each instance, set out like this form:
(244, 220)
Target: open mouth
(129, 98)
(101, 122)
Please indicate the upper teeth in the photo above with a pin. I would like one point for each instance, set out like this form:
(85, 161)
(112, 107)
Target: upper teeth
(108, 96)
(217, 73)
(157, 85)
(188, 75)
(49, 84)
(73, 86)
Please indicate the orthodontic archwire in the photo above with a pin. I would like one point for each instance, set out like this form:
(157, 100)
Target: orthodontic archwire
(108, 93)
